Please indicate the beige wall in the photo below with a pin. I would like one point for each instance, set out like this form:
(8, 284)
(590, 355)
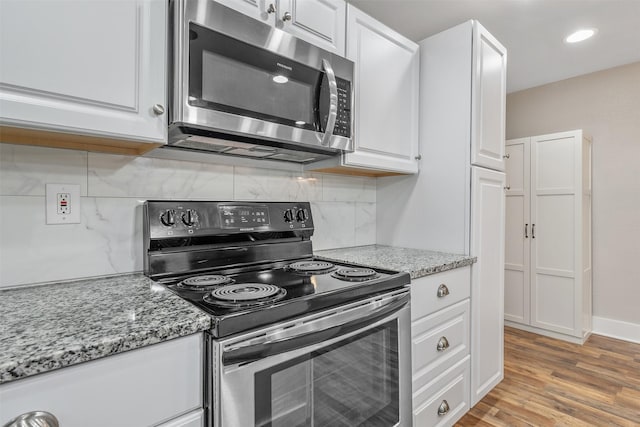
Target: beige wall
(606, 105)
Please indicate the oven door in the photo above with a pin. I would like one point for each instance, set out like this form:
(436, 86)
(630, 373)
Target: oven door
(346, 367)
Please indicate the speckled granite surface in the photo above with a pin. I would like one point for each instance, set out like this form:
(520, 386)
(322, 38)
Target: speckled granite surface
(416, 262)
(51, 326)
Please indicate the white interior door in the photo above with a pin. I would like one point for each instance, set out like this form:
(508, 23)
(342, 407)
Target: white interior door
(553, 215)
(517, 232)
(487, 280)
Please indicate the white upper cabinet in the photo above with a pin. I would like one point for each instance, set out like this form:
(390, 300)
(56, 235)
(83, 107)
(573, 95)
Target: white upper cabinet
(488, 98)
(90, 67)
(386, 96)
(319, 22)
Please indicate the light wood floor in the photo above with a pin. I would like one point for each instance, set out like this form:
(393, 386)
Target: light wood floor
(549, 382)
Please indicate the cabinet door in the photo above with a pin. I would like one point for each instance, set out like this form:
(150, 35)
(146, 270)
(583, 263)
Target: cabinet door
(489, 93)
(386, 95)
(555, 209)
(93, 67)
(192, 419)
(517, 232)
(487, 280)
(142, 387)
(257, 9)
(320, 22)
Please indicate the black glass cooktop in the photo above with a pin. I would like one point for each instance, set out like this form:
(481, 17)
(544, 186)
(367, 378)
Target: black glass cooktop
(267, 294)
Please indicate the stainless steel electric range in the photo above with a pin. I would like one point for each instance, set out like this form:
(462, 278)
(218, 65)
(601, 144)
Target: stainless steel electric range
(296, 340)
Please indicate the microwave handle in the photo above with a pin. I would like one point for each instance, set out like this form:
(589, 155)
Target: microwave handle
(259, 351)
(333, 102)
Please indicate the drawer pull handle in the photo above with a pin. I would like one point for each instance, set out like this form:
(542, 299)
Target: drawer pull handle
(34, 419)
(443, 344)
(443, 291)
(443, 408)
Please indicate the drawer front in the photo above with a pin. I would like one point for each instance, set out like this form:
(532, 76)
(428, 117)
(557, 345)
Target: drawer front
(445, 400)
(424, 291)
(439, 341)
(142, 387)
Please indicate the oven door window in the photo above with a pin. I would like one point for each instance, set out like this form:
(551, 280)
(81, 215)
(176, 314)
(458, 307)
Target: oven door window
(231, 76)
(351, 383)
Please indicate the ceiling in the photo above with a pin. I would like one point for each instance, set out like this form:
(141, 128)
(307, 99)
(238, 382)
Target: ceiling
(532, 31)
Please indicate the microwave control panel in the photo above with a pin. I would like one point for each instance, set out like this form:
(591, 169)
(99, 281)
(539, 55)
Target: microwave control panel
(343, 120)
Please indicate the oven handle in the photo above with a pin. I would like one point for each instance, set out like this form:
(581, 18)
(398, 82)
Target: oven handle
(333, 102)
(262, 350)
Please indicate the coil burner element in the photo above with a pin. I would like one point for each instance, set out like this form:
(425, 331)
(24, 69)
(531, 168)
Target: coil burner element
(244, 295)
(355, 274)
(204, 283)
(311, 267)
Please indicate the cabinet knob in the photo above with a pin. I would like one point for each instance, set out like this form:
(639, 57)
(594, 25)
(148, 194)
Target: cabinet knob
(271, 8)
(286, 17)
(34, 419)
(158, 109)
(443, 408)
(443, 344)
(506, 156)
(443, 291)
(508, 187)
(418, 157)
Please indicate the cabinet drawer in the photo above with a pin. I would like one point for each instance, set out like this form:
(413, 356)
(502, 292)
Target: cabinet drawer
(445, 400)
(439, 341)
(141, 387)
(424, 291)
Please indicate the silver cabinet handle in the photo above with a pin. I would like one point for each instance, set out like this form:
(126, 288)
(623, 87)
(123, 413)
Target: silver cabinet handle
(34, 419)
(506, 156)
(526, 235)
(443, 291)
(443, 408)
(333, 102)
(158, 109)
(418, 157)
(508, 187)
(533, 231)
(286, 17)
(271, 8)
(443, 344)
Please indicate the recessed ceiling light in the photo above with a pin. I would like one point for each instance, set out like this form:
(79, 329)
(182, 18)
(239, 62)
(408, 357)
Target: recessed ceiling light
(280, 79)
(581, 35)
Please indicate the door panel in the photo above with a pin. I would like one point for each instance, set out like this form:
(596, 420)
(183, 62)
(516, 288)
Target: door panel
(487, 281)
(489, 95)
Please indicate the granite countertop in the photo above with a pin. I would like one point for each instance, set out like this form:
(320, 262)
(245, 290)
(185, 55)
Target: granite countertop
(51, 326)
(417, 262)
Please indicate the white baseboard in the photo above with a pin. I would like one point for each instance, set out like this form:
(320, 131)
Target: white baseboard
(616, 329)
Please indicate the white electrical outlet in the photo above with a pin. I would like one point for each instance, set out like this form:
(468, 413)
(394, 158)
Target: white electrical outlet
(63, 203)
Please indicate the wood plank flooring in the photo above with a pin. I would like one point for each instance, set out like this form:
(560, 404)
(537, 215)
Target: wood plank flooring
(549, 382)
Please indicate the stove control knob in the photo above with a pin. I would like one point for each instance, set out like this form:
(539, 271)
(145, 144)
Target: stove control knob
(302, 215)
(168, 217)
(190, 217)
(288, 215)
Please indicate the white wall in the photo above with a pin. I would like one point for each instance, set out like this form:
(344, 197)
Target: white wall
(109, 238)
(606, 105)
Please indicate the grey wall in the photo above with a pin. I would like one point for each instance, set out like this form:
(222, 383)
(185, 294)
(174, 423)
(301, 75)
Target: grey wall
(606, 105)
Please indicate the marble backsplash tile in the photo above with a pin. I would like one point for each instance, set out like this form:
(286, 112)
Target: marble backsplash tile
(24, 169)
(109, 238)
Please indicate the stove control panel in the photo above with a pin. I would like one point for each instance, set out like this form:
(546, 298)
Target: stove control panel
(168, 219)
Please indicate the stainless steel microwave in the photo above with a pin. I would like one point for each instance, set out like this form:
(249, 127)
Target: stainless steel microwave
(242, 87)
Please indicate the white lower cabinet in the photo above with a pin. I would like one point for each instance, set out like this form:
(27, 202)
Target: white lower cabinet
(145, 387)
(440, 336)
